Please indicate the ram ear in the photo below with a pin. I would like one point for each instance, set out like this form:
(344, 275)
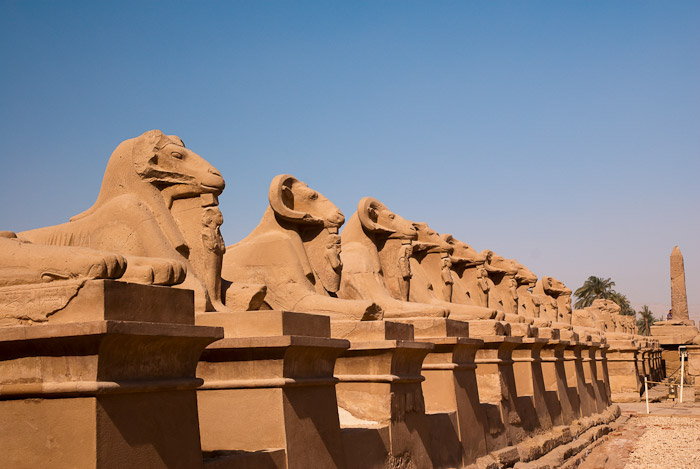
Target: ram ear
(144, 154)
(368, 213)
(281, 197)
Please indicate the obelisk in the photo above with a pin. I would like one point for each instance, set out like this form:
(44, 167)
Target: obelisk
(679, 300)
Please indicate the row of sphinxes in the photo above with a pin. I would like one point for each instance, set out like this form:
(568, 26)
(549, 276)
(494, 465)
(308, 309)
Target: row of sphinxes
(156, 221)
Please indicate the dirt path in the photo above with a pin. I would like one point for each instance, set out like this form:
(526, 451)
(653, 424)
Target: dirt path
(669, 437)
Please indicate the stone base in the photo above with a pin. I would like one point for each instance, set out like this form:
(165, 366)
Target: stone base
(380, 389)
(269, 385)
(674, 332)
(100, 394)
(94, 300)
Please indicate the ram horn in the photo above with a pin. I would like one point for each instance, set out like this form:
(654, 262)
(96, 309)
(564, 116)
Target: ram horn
(363, 209)
(277, 186)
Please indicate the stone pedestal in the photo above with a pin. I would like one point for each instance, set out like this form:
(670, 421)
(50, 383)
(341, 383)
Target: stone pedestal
(269, 385)
(590, 361)
(693, 364)
(379, 390)
(574, 378)
(548, 333)
(584, 380)
(497, 391)
(557, 394)
(659, 364)
(674, 332)
(450, 391)
(601, 360)
(108, 391)
(623, 371)
(644, 362)
(529, 381)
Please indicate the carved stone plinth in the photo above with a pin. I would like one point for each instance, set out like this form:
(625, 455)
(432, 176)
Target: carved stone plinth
(380, 393)
(623, 371)
(597, 383)
(573, 382)
(497, 391)
(269, 385)
(693, 364)
(488, 328)
(558, 395)
(450, 390)
(104, 393)
(643, 362)
(601, 361)
(522, 329)
(94, 300)
(530, 386)
(581, 362)
(548, 333)
(674, 332)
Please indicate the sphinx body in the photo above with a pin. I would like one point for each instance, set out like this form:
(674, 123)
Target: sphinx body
(470, 286)
(147, 177)
(24, 263)
(376, 250)
(295, 251)
(432, 281)
(528, 304)
(606, 318)
(36, 281)
(555, 301)
(503, 292)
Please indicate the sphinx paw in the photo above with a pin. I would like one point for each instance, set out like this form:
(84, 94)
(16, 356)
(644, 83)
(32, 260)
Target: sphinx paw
(155, 271)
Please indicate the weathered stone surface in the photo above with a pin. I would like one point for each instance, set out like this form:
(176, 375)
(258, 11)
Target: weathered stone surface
(148, 181)
(295, 252)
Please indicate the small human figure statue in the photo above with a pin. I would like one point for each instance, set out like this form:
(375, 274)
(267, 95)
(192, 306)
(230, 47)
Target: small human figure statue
(405, 252)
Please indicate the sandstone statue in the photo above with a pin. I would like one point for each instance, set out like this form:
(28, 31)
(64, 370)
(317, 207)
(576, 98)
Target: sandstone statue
(555, 299)
(528, 304)
(470, 285)
(36, 281)
(376, 254)
(430, 282)
(503, 293)
(295, 252)
(146, 178)
(24, 263)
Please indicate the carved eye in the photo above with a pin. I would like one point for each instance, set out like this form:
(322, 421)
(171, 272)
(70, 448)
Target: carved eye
(176, 154)
(391, 216)
(313, 196)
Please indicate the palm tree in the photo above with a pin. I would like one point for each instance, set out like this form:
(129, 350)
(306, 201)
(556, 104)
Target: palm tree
(592, 289)
(624, 304)
(645, 322)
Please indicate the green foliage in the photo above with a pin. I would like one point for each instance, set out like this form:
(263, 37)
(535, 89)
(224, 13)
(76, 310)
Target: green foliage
(646, 320)
(624, 304)
(598, 288)
(593, 288)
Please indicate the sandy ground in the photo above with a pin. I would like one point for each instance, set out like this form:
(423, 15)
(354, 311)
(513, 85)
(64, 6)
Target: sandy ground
(667, 437)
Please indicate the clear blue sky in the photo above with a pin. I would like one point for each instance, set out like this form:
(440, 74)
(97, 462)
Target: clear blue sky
(563, 134)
